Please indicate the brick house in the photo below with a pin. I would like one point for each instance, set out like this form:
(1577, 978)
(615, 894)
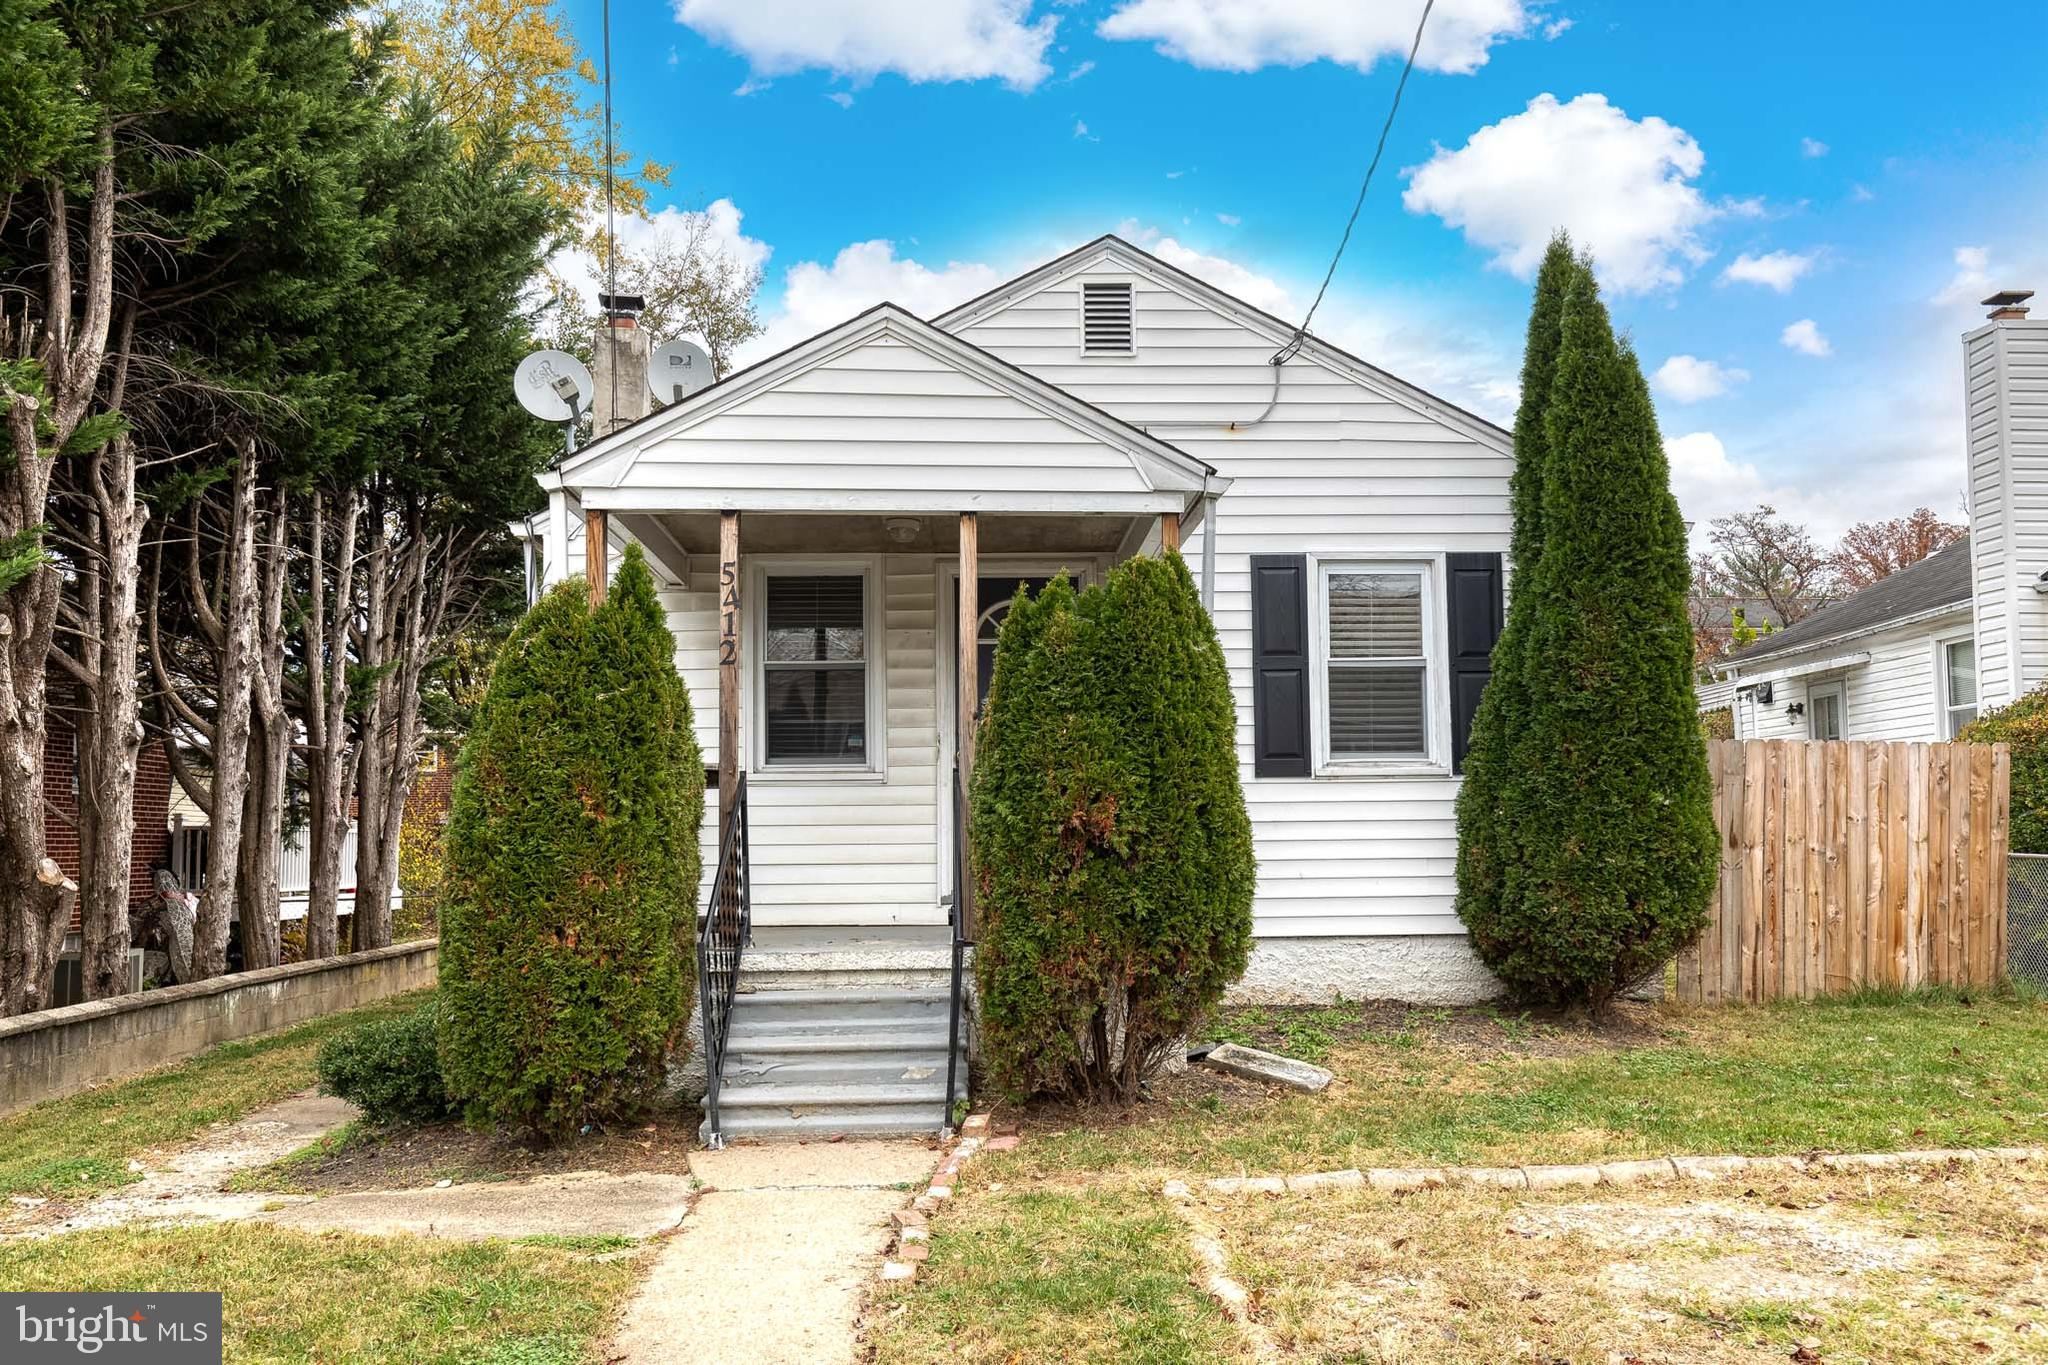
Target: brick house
(60, 830)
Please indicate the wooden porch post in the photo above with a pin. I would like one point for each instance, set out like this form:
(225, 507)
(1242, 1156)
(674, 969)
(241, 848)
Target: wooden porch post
(1169, 531)
(970, 656)
(596, 551)
(728, 662)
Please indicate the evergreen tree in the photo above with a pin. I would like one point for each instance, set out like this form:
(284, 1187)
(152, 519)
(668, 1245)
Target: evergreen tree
(1112, 848)
(1486, 838)
(573, 867)
(1611, 802)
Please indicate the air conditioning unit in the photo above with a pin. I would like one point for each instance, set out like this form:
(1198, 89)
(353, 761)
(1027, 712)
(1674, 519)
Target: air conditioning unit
(134, 970)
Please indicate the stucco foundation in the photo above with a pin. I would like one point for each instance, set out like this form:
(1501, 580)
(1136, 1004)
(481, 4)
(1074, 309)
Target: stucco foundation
(1423, 969)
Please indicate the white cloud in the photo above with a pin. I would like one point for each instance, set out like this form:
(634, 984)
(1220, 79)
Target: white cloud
(1076, 74)
(723, 236)
(816, 296)
(1708, 482)
(1804, 336)
(1812, 147)
(1972, 280)
(1618, 185)
(1688, 379)
(1244, 35)
(1861, 194)
(842, 98)
(1229, 219)
(1778, 270)
(1081, 132)
(934, 40)
(1557, 28)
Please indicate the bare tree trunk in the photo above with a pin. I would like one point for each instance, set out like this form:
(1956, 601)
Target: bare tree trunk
(111, 742)
(270, 755)
(231, 726)
(330, 761)
(372, 749)
(69, 348)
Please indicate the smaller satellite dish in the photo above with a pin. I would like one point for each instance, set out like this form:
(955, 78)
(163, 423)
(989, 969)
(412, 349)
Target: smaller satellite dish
(541, 378)
(677, 369)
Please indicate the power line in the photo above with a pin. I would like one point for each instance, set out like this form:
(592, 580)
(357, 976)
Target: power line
(1287, 352)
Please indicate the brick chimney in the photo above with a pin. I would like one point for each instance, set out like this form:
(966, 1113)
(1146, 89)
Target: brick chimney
(619, 354)
(2005, 394)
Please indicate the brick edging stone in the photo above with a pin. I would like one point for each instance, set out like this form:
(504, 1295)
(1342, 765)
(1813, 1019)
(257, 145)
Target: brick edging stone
(912, 1232)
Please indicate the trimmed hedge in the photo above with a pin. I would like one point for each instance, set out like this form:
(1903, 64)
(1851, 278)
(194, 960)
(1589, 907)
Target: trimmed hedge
(1112, 849)
(389, 1068)
(573, 867)
(2024, 725)
(1603, 819)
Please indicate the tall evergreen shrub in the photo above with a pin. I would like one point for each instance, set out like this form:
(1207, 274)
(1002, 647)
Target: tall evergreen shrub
(1609, 799)
(573, 867)
(1112, 849)
(1487, 845)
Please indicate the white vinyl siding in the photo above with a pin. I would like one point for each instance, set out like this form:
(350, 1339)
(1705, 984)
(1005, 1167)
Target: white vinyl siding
(836, 848)
(1896, 694)
(1340, 470)
(2005, 375)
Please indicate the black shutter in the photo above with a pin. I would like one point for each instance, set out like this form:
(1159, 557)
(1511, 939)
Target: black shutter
(1280, 681)
(1474, 603)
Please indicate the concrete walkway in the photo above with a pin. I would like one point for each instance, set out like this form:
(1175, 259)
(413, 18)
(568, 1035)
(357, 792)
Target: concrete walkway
(770, 1265)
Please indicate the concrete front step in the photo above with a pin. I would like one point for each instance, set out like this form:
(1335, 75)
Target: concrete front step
(823, 1055)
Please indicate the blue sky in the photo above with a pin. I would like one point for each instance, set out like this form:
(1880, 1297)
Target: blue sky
(1859, 174)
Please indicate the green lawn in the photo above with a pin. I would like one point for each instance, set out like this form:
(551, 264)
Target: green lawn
(81, 1144)
(1063, 1250)
(1870, 1074)
(298, 1297)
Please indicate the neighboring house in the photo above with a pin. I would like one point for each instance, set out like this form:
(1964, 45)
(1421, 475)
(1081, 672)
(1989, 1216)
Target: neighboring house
(60, 837)
(1919, 654)
(1348, 529)
(191, 830)
(1894, 661)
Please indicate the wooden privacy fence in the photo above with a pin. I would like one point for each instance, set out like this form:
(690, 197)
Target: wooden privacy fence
(1848, 864)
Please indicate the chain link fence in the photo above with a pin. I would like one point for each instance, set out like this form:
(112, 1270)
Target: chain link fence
(2026, 918)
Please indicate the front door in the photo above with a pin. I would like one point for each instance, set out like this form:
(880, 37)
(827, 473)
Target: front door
(994, 595)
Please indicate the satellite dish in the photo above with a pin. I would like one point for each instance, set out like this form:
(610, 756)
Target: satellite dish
(541, 379)
(677, 369)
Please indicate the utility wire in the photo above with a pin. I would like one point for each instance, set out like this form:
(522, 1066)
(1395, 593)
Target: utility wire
(1293, 346)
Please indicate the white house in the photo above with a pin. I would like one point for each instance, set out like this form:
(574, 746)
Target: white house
(809, 516)
(1919, 654)
(1895, 661)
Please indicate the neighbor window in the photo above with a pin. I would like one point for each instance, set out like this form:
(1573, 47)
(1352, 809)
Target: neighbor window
(814, 670)
(1824, 712)
(1958, 685)
(1375, 675)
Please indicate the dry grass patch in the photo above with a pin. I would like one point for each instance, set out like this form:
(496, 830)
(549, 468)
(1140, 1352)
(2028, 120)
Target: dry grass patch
(1899, 1267)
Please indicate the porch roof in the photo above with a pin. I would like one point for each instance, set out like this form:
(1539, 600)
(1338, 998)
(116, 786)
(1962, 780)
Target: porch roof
(885, 413)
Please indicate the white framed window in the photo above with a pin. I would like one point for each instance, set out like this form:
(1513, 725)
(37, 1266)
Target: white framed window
(1378, 664)
(1827, 711)
(1955, 667)
(815, 628)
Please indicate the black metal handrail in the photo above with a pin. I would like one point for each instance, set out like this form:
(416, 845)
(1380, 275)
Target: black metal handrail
(963, 928)
(723, 930)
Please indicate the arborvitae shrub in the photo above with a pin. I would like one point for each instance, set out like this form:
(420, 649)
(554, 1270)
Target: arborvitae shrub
(573, 867)
(2024, 725)
(1112, 849)
(1609, 799)
(1488, 848)
(388, 1068)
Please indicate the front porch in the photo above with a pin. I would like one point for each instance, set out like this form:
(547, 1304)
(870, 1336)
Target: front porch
(838, 533)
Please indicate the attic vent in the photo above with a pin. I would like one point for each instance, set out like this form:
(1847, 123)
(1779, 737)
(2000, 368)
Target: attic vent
(1106, 326)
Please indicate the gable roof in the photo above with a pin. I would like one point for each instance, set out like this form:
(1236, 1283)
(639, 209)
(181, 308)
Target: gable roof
(1275, 329)
(1935, 586)
(605, 462)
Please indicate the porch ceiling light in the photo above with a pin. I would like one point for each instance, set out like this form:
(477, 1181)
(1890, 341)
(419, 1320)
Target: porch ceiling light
(902, 530)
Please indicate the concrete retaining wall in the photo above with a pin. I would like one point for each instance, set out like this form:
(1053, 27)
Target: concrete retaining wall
(1421, 969)
(58, 1052)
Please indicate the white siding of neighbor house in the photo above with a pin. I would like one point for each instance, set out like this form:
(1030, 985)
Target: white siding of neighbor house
(834, 850)
(1895, 695)
(1339, 468)
(2006, 394)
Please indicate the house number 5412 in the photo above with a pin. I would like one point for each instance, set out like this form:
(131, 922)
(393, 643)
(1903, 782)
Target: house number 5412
(728, 614)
